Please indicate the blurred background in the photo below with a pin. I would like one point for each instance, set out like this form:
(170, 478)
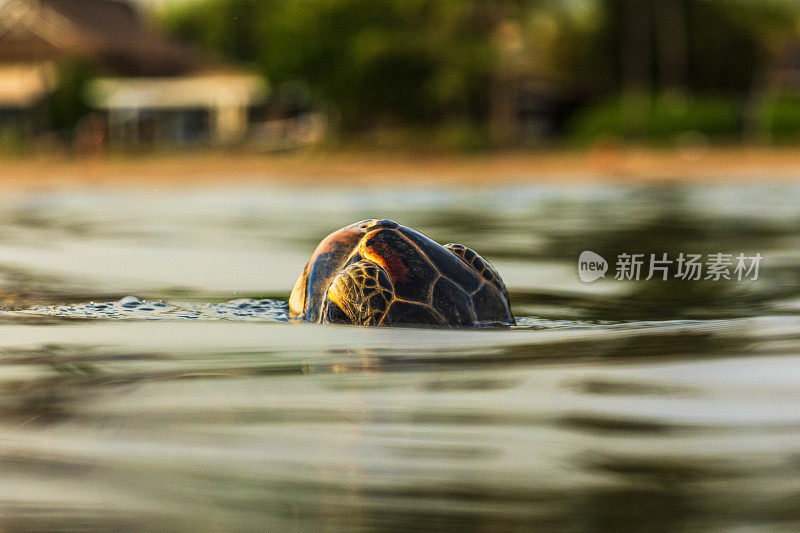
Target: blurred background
(167, 168)
(89, 76)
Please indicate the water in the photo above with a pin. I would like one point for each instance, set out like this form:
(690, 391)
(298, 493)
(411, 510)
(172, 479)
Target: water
(150, 379)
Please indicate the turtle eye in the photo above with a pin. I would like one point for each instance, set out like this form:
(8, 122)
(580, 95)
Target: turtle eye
(334, 314)
(365, 224)
(375, 223)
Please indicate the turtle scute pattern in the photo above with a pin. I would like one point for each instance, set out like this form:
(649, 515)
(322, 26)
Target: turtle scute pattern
(378, 273)
(362, 291)
(481, 266)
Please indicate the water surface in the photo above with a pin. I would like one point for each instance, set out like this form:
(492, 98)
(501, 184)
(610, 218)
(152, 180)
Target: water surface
(149, 377)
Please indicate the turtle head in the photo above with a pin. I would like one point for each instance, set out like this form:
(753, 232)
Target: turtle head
(297, 300)
(330, 257)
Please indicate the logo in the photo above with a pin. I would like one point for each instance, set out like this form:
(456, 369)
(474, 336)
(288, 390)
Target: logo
(591, 266)
(683, 266)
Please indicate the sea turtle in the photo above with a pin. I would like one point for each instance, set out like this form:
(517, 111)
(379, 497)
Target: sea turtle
(379, 273)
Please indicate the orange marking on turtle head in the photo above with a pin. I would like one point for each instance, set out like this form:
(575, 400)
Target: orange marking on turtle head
(337, 246)
(340, 240)
(380, 253)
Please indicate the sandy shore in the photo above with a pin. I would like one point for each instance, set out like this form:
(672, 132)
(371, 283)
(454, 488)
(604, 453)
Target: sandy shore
(376, 169)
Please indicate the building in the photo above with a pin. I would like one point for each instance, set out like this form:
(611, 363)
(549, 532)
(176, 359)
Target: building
(147, 88)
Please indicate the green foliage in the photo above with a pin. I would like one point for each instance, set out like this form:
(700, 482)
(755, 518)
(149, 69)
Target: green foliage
(703, 47)
(232, 28)
(65, 106)
(373, 62)
(461, 137)
(382, 64)
(12, 140)
(731, 41)
(780, 115)
(664, 119)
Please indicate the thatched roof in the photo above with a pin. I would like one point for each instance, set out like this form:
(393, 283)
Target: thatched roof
(111, 32)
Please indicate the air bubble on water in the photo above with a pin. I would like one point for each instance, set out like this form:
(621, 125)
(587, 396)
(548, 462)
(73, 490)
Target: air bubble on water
(130, 301)
(133, 308)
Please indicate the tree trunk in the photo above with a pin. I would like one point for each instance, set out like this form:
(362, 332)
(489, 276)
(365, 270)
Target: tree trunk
(637, 50)
(671, 38)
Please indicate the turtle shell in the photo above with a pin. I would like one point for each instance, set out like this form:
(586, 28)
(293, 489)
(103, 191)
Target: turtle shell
(427, 283)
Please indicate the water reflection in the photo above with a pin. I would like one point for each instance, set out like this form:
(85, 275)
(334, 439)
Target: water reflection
(642, 405)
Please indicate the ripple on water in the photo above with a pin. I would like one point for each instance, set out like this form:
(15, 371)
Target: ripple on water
(605, 409)
(242, 309)
(132, 307)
